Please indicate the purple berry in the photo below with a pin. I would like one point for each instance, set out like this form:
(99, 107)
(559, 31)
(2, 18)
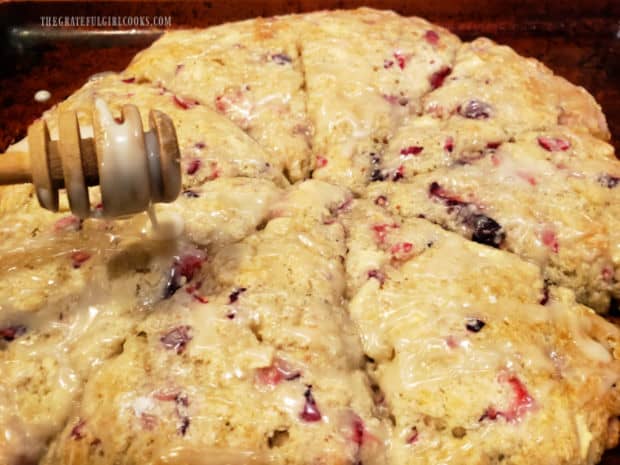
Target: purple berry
(486, 230)
(234, 295)
(184, 426)
(77, 432)
(609, 181)
(281, 58)
(190, 194)
(377, 175)
(177, 338)
(474, 325)
(10, 333)
(475, 109)
(545, 294)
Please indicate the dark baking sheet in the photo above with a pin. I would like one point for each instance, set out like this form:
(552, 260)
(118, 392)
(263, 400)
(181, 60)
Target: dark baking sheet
(579, 40)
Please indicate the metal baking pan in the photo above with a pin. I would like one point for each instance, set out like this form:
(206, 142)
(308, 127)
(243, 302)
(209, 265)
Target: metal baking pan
(579, 40)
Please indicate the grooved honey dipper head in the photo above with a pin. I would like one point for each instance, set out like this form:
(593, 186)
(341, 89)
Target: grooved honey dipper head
(133, 168)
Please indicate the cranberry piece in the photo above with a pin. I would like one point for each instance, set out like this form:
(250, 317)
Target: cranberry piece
(280, 370)
(550, 239)
(381, 231)
(193, 291)
(553, 144)
(78, 258)
(378, 275)
(189, 264)
(358, 430)
(381, 200)
(493, 145)
(310, 412)
(321, 161)
(234, 295)
(68, 223)
(200, 145)
(166, 395)
(129, 80)
(190, 194)
(486, 230)
(451, 200)
(452, 342)
(184, 266)
(343, 207)
(448, 145)
(475, 109)
(77, 432)
(437, 79)
(399, 174)
(413, 436)
(388, 64)
(221, 103)
(200, 298)
(177, 338)
(10, 333)
(474, 325)
(193, 166)
(522, 401)
(411, 150)
(183, 103)
(431, 37)
(148, 421)
(281, 58)
(609, 181)
(393, 99)
(401, 248)
(490, 413)
(400, 59)
(529, 178)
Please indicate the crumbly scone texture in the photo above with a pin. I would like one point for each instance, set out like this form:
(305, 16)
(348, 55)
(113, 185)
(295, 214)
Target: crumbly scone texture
(389, 240)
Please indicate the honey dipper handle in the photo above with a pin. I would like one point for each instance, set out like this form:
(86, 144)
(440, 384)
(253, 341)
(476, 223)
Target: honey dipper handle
(15, 168)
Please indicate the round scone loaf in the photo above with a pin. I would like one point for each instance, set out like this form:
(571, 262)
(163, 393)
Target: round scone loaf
(397, 249)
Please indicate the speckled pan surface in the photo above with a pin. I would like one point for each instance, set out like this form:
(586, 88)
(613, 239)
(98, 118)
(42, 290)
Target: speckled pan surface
(395, 249)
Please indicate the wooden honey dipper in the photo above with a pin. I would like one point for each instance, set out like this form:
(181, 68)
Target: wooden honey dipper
(134, 169)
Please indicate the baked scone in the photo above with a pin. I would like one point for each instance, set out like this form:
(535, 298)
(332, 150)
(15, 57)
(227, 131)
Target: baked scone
(543, 196)
(251, 72)
(472, 367)
(365, 72)
(492, 83)
(211, 146)
(425, 143)
(415, 303)
(251, 360)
